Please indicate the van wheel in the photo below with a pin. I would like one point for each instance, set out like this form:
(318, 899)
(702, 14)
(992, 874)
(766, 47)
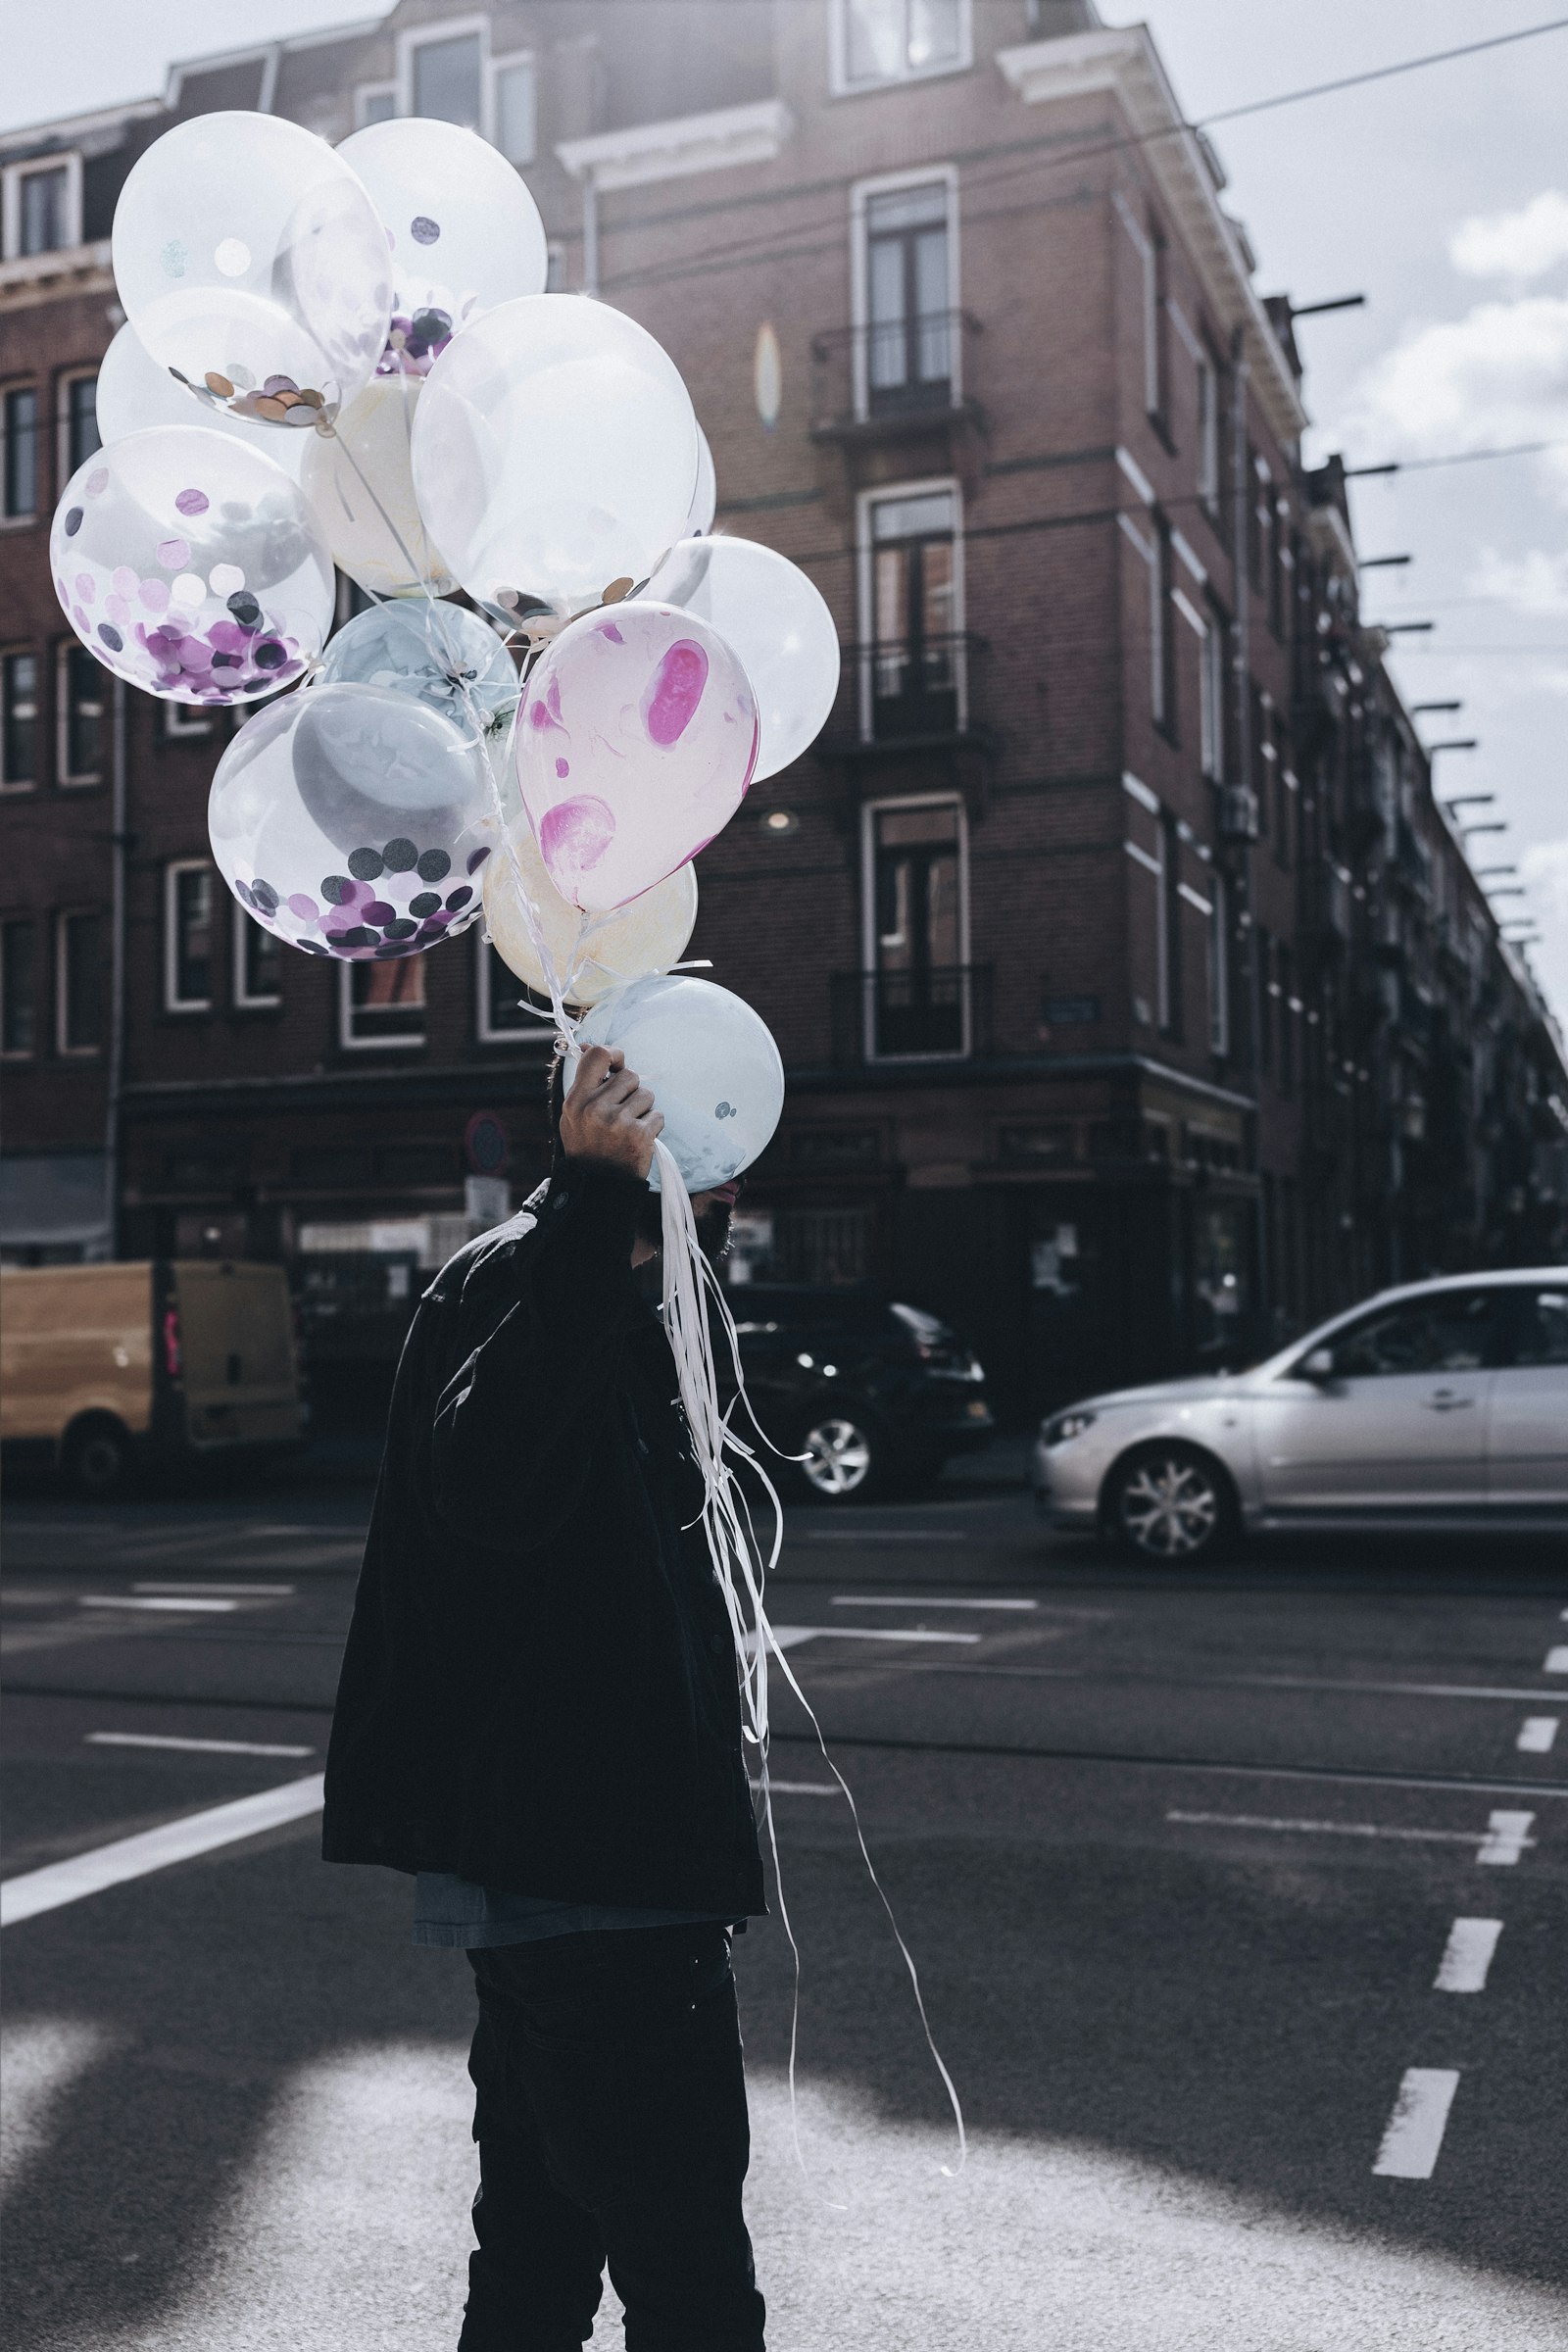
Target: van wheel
(97, 1459)
(1171, 1502)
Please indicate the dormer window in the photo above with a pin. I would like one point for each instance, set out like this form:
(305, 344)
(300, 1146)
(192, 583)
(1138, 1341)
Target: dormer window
(42, 207)
(880, 41)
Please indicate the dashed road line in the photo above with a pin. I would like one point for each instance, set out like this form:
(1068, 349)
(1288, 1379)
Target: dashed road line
(1414, 2137)
(32, 1892)
(1467, 1955)
(190, 1603)
(203, 1747)
(925, 1600)
(1537, 1735)
(1504, 1839)
(1507, 1835)
(245, 1591)
(1556, 1660)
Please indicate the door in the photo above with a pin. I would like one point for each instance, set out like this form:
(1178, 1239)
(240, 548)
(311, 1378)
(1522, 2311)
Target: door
(919, 1005)
(1526, 1431)
(1400, 1426)
(908, 337)
(237, 1341)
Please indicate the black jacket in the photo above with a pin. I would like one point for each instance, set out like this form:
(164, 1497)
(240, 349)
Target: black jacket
(540, 1688)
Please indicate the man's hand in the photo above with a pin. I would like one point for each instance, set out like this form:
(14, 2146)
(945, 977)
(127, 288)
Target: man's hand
(608, 1114)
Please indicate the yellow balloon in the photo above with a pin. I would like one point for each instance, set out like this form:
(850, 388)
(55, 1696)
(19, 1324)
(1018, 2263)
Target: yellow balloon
(358, 483)
(592, 954)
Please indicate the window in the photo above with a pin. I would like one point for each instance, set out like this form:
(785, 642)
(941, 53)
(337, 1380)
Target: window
(1541, 1336)
(448, 79)
(515, 111)
(917, 996)
(179, 723)
(19, 999)
(188, 944)
(1156, 328)
(1284, 965)
(1452, 1333)
(1267, 993)
(881, 41)
(1258, 508)
(79, 423)
(1171, 959)
(374, 102)
(18, 465)
(19, 721)
(908, 323)
(78, 983)
(1208, 434)
(258, 962)
(497, 989)
(914, 682)
(555, 268)
(1284, 815)
(1211, 697)
(1161, 638)
(1219, 964)
(382, 1003)
(79, 693)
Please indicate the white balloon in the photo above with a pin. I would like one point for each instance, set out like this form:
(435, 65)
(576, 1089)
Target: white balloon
(776, 620)
(135, 394)
(361, 489)
(462, 230)
(711, 1064)
(251, 262)
(704, 498)
(591, 954)
(555, 453)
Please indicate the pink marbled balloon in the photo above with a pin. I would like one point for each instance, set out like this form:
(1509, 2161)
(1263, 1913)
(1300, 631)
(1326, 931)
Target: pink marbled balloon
(635, 745)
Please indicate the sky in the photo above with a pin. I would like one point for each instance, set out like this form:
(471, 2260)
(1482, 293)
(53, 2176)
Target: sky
(1442, 195)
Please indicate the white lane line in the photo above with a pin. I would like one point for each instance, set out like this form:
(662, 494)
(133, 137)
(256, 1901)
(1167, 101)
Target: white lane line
(1467, 1955)
(1556, 1660)
(203, 1747)
(1507, 1835)
(790, 1636)
(1537, 1735)
(929, 1600)
(147, 1600)
(36, 1890)
(1331, 1829)
(800, 1787)
(1416, 2129)
(880, 1535)
(249, 1591)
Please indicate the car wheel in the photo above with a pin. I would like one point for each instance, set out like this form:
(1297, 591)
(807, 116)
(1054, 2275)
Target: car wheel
(97, 1459)
(842, 1458)
(1170, 1502)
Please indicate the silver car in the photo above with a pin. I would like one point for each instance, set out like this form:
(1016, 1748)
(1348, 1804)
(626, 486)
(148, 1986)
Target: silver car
(1441, 1402)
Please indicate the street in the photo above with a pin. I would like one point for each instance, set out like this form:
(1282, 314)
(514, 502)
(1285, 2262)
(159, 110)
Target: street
(1236, 1896)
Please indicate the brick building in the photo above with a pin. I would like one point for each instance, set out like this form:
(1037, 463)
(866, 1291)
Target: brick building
(1136, 996)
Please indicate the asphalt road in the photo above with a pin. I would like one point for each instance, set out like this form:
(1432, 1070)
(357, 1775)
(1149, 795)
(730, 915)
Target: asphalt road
(1184, 1860)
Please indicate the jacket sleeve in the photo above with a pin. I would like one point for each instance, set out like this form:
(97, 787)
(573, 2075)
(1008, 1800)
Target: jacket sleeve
(515, 1421)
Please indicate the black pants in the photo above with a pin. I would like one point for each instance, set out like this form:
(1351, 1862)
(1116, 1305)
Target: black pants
(610, 2117)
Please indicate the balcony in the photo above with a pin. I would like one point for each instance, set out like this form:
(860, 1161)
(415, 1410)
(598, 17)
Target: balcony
(1326, 897)
(893, 382)
(938, 1012)
(905, 695)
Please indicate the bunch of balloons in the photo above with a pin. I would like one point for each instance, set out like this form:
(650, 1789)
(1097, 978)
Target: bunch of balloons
(345, 358)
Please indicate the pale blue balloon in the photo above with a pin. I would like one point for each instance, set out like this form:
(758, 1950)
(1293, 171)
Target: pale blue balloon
(445, 657)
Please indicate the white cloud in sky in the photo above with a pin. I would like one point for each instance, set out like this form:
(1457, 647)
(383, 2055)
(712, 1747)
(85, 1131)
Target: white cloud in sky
(1498, 376)
(1536, 582)
(1517, 245)
(1544, 869)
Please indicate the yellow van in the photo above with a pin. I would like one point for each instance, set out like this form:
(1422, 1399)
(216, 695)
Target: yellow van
(103, 1365)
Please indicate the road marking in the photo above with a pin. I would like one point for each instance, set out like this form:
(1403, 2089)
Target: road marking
(880, 1600)
(800, 1787)
(147, 1600)
(1507, 1835)
(1337, 1828)
(1416, 2129)
(36, 1890)
(1354, 1688)
(881, 1534)
(248, 1591)
(1537, 1735)
(205, 1748)
(1556, 1660)
(790, 1636)
(1467, 1955)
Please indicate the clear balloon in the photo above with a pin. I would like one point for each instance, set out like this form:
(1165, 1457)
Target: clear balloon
(353, 823)
(704, 498)
(189, 564)
(778, 624)
(445, 657)
(465, 233)
(710, 1064)
(590, 953)
(358, 481)
(133, 394)
(634, 746)
(252, 263)
(555, 455)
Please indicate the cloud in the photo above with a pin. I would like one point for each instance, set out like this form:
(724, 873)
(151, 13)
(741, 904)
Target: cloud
(1495, 376)
(1535, 582)
(1517, 245)
(1543, 870)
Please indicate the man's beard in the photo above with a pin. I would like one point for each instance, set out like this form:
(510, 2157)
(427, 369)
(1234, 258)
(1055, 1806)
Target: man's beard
(712, 1226)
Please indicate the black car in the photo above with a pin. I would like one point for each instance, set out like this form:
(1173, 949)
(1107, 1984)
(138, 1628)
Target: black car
(874, 1394)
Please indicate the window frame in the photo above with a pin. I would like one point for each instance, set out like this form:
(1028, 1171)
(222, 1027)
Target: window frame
(242, 924)
(184, 722)
(947, 485)
(10, 179)
(26, 517)
(870, 812)
(840, 83)
(19, 919)
(7, 655)
(173, 868)
(65, 917)
(68, 779)
(67, 379)
(1211, 656)
(495, 67)
(894, 183)
(433, 32)
(408, 1043)
(484, 1029)
(364, 90)
(1219, 964)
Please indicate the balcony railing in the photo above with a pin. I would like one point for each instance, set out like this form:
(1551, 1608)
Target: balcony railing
(906, 690)
(904, 373)
(932, 1012)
